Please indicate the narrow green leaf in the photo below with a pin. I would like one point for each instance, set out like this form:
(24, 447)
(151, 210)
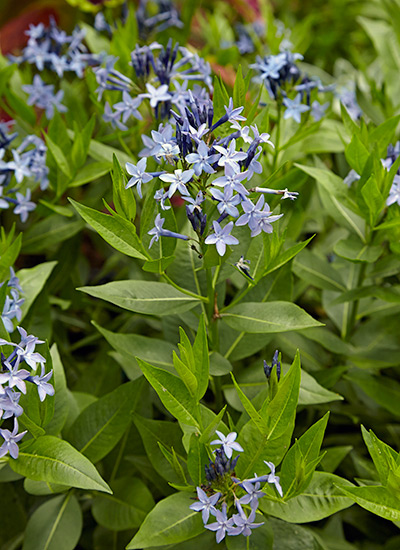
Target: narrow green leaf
(53, 460)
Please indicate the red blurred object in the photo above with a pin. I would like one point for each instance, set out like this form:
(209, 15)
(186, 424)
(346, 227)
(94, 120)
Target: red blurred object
(12, 34)
(177, 201)
(248, 9)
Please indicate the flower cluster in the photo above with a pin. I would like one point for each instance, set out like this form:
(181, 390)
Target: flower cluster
(191, 144)
(53, 49)
(12, 305)
(172, 68)
(13, 378)
(226, 493)
(282, 77)
(28, 160)
(42, 95)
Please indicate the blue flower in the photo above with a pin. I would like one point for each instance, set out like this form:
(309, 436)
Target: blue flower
(42, 382)
(10, 441)
(229, 155)
(195, 204)
(201, 160)
(228, 443)
(19, 166)
(244, 524)
(294, 108)
(139, 175)
(157, 94)
(158, 231)
(221, 237)
(9, 403)
(272, 478)
(177, 181)
(128, 107)
(205, 505)
(318, 110)
(14, 377)
(24, 205)
(223, 525)
(227, 201)
(253, 494)
(232, 178)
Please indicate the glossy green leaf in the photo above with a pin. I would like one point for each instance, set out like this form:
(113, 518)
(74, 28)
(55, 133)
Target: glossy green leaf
(146, 297)
(51, 459)
(32, 281)
(101, 425)
(171, 521)
(322, 499)
(172, 392)
(114, 229)
(126, 508)
(375, 499)
(268, 317)
(55, 525)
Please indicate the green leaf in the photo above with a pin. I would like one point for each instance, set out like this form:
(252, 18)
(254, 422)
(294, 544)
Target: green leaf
(197, 459)
(53, 460)
(50, 232)
(317, 271)
(185, 374)
(118, 232)
(124, 199)
(323, 498)
(32, 280)
(286, 256)
(126, 508)
(373, 199)
(201, 359)
(169, 435)
(55, 525)
(101, 425)
(295, 470)
(152, 350)
(8, 258)
(312, 393)
(354, 250)
(239, 89)
(375, 499)
(220, 99)
(279, 415)
(170, 522)
(61, 160)
(250, 409)
(90, 172)
(383, 456)
(268, 317)
(383, 390)
(356, 154)
(151, 298)
(172, 392)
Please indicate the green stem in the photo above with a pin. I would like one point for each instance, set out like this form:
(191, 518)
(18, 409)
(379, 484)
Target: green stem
(184, 290)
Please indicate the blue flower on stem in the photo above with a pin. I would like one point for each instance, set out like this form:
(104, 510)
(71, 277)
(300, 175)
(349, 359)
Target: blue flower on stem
(227, 201)
(244, 524)
(177, 181)
(24, 205)
(157, 94)
(232, 178)
(205, 505)
(10, 441)
(139, 175)
(128, 107)
(42, 382)
(221, 237)
(223, 525)
(253, 494)
(202, 160)
(158, 231)
(228, 443)
(14, 377)
(229, 155)
(294, 108)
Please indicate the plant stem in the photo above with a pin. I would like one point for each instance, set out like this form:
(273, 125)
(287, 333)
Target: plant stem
(184, 290)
